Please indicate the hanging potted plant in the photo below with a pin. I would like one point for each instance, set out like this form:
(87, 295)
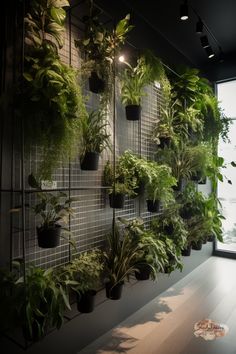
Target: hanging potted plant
(135, 169)
(119, 261)
(120, 183)
(151, 257)
(94, 139)
(99, 47)
(84, 273)
(54, 211)
(159, 189)
(134, 79)
(181, 159)
(167, 130)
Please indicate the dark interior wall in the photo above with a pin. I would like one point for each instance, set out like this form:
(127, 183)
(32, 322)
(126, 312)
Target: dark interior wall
(222, 71)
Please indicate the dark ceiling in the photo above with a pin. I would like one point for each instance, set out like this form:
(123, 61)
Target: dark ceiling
(162, 17)
(219, 16)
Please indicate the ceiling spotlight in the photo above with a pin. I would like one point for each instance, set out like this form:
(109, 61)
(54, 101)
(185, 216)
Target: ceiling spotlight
(204, 41)
(122, 58)
(184, 11)
(199, 26)
(209, 52)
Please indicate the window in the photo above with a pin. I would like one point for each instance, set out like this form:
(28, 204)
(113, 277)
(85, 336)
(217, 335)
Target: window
(226, 191)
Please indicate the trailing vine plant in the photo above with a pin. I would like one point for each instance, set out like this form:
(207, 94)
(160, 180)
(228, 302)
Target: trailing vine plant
(50, 101)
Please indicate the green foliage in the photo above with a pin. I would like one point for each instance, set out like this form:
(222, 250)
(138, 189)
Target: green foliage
(83, 272)
(120, 181)
(172, 249)
(45, 21)
(156, 177)
(196, 93)
(170, 224)
(94, 135)
(152, 251)
(205, 218)
(181, 159)
(168, 125)
(135, 78)
(40, 301)
(52, 210)
(49, 99)
(160, 186)
(100, 46)
(120, 257)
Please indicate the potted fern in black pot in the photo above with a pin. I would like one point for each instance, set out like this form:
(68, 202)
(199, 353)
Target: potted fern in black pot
(94, 139)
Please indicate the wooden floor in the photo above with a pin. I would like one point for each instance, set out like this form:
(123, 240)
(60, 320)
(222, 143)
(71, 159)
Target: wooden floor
(165, 325)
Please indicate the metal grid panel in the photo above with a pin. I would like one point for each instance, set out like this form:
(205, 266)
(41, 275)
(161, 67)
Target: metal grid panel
(92, 214)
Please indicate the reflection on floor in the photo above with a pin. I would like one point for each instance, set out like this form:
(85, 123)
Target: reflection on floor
(166, 324)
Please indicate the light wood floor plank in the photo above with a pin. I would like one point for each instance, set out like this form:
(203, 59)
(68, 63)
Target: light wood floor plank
(165, 325)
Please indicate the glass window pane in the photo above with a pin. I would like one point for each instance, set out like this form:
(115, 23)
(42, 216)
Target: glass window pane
(227, 97)
(227, 191)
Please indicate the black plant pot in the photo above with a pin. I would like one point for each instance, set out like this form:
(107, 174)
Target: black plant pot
(153, 207)
(186, 213)
(96, 84)
(197, 246)
(196, 177)
(140, 189)
(143, 272)
(211, 238)
(204, 241)
(202, 180)
(164, 142)
(168, 229)
(85, 301)
(186, 252)
(49, 238)
(133, 112)
(199, 178)
(90, 161)
(180, 186)
(114, 292)
(117, 200)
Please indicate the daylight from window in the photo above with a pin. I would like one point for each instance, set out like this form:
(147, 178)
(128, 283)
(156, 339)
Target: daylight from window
(226, 190)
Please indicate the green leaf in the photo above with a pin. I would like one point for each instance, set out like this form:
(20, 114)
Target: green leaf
(233, 163)
(220, 177)
(58, 3)
(58, 14)
(28, 77)
(65, 297)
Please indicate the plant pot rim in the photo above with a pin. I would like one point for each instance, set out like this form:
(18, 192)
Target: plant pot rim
(55, 226)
